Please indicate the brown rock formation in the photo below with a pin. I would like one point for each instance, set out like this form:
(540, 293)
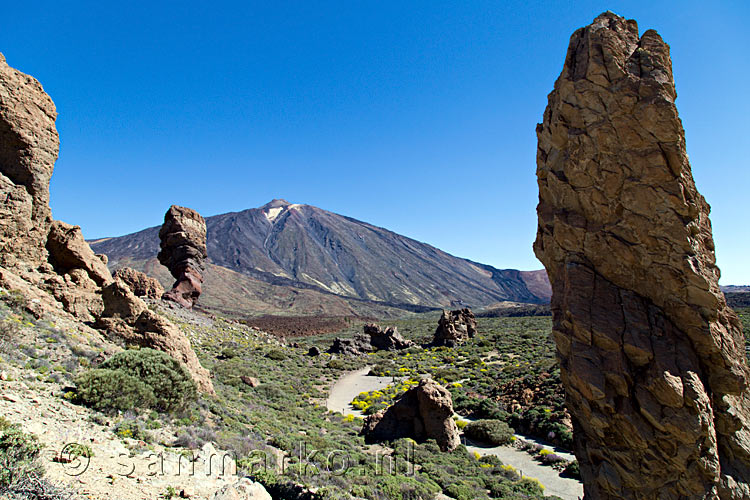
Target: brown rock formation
(651, 358)
(126, 316)
(28, 149)
(183, 252)
(387, 339)
(423, 412)
(140, 284)
(49, 261)
(455, 327)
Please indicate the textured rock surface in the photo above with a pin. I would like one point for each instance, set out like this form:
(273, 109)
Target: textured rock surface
(651, 358)
(454, 327)
(183, 252)
(352, 346)
(244, 489)
(387, 339)
(126, 316)
(423, 412)
(140, 284)
(49, 261)
(28, 150)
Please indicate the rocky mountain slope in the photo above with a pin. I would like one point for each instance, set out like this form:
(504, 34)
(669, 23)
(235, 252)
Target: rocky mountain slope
(306, 247)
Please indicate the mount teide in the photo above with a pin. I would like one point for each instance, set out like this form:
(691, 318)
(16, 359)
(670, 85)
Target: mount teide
(283, 246)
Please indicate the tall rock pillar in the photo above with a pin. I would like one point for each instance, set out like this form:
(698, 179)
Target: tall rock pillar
(651, 357)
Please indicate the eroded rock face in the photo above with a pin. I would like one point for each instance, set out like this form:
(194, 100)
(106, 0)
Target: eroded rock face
(28, 149)
(651, 358)
(455, 327)
(352, 346)
(183, 252)
(49, 261)
(387, 339)
(128, 317)
(140, 284)
(423, 412)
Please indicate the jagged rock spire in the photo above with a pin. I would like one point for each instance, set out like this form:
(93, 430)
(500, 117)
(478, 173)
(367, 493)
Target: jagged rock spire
(651, 357)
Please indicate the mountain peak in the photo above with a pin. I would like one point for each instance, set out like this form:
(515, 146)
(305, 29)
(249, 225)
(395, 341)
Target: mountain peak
(276, 203)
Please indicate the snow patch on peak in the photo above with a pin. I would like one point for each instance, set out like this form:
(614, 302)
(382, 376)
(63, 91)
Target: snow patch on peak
(272, 213)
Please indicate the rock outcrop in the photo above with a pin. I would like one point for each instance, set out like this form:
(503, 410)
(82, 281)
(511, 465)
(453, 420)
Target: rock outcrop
(423, 412)
(651, 357)
(374, 338)
(128, 317)
(387, 339)
(49, 261)
(140, 284)
(244, 489)
(455, 327)
(352, 346)
(28, 149)
(183, 252)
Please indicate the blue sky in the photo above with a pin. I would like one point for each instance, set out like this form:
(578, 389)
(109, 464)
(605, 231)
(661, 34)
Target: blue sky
(416, 116)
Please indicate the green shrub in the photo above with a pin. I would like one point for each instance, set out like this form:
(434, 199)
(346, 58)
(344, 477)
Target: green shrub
(494, 432)
(14, 298)
(464, 490)
(172, 385)
(337, 364)
(573, 470)
(18, 454)
(276, 355)
(398, 487)
(107, 390)
(130, 429)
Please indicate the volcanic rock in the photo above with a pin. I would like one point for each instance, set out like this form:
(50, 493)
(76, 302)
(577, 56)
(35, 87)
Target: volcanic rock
(354, 346)
(128, 317)
(313, 351)
(386, 339)
(455, 327)
(651, 357)
(183, 252)
(423, 412)
(250, 381)
(140, 284)
(28, 149)
(244, 489)
(49, 261)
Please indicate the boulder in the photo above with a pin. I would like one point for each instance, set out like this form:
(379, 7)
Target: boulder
(386, 339)
(651, 357)
(69, 250)
(244, 489)
(183, 252)
(139, 283)
(250, 381)
(353, 346)
(127, 316)
(423, 412)
(455, 327)
(313, 351)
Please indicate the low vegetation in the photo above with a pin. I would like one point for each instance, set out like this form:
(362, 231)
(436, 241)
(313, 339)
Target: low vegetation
(494, 432)
(141, 378)
(21, 474)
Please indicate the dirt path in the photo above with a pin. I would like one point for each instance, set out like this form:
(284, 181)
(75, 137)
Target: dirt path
(351, 384)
